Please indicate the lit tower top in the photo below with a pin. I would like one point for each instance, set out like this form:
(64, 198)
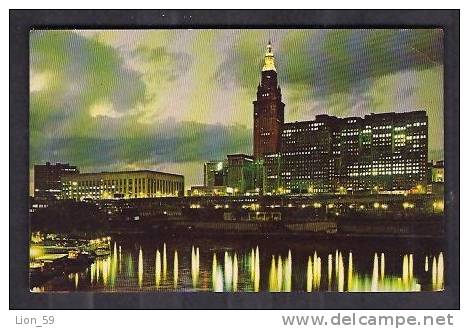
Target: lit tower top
(268, 110)
(269, 63)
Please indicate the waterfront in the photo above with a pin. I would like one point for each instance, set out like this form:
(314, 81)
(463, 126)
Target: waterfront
(142, 263)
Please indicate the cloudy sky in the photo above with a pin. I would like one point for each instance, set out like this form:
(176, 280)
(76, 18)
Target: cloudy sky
(171, 99)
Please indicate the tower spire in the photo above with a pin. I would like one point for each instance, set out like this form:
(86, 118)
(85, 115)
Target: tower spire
(269, 60)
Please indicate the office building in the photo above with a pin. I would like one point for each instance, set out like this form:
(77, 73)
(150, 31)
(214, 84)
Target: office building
(235, 175)
(240, 173)
(437, 171)
(379, 153)
(47, 184)
(436, 177)
(122, 184)
(215, 173)
(309, 155)
(270, 170)
(398, 153)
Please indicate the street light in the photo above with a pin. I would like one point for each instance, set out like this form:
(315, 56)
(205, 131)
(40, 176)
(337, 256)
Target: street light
(419, 188)
(438, 206)
(408, 205)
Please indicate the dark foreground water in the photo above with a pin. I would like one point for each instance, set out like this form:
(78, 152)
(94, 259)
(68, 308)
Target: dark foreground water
(226, 264)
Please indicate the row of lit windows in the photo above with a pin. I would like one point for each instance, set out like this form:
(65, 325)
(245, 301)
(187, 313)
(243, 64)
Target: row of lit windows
(381, 135)
(377, 138)
(302, 162)
(113, 183)
(288, 132)
(367, 129)
(304, 153)
(382, 172)
(352, 133)
(382, 127)
(152, 185)
(416, 136)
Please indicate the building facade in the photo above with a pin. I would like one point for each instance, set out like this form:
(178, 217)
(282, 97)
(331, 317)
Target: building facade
(436, 177)
(399, 151)
(215, 173)
(235, 175)
(122, 184)
(47, 179)
(271, 169)
(240, 173)
(202, 190)
(268, 110)
(309, 155)
(437, 172)
(378, 153)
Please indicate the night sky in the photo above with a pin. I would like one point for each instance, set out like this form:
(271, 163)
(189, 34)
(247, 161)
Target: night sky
(171, 99)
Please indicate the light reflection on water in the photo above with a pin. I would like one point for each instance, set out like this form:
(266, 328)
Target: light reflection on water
(258, 268)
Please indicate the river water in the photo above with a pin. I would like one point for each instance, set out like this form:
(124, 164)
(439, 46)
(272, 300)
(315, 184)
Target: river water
(248, 265)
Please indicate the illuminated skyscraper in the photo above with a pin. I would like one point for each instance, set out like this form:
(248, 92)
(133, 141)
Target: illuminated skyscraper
(268, 110)
(309, 157)
(381, 152)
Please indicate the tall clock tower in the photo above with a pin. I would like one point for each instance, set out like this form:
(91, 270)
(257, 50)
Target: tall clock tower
(268, 110)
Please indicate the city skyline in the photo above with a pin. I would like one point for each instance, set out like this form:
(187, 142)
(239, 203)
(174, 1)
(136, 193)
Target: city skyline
(171, 100)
